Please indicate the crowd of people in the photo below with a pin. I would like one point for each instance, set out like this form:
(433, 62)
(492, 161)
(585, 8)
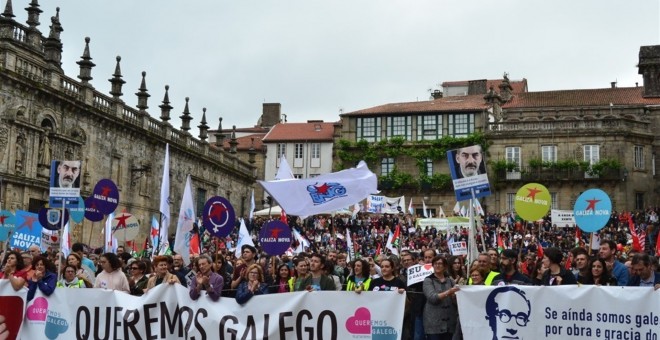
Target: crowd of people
(511, 252)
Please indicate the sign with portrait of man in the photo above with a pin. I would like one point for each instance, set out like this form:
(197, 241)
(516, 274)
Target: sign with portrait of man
(467, 166)
(64, 182)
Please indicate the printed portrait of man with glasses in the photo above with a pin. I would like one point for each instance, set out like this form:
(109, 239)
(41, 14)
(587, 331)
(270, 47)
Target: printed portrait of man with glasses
(507, 312)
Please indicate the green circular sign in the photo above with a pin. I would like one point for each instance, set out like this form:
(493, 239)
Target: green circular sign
(532, 201)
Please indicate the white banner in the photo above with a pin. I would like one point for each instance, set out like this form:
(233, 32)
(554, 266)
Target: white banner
(458, 248)
(559, 312)
(385, 205)
(562, 218)
(167, 312)
(419, 272)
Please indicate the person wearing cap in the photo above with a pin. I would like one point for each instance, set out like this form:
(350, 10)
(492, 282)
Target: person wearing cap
(555, 275)
(510, 274)
(248, 255)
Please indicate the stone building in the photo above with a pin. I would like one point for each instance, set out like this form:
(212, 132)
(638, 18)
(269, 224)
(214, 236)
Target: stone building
(46, 115)
(568, 140)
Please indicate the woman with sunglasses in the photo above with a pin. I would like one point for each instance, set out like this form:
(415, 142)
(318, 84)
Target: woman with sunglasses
(137, 281)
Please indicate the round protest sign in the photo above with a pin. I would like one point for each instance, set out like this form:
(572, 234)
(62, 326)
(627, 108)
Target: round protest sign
(219, 217)
(125, 227)
(7, 224)
(275, 238)
(532, 201)
(77, 210)
(106, 195)
(91, 213)
(51, 219)
(592, 210)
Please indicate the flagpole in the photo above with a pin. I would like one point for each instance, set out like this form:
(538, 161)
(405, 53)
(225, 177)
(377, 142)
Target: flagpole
(60, 232)
(160, 227)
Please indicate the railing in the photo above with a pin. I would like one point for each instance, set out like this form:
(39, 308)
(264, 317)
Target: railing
(19, 34)
(70, 87)
(102, 102)
(567, 125)
(526, 174)
(155, 126)
(31, 71)
(130, 115)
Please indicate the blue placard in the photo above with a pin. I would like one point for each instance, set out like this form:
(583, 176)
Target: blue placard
(64, 182)
(7, 224)
(275, 238)
(468, 172)
(27, 231)
(592, 210)
(219, 216)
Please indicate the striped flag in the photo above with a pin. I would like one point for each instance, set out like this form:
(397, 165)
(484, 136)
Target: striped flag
(184, 225)
(163, 244)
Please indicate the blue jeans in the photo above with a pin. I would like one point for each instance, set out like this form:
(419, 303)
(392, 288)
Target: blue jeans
(419, 328)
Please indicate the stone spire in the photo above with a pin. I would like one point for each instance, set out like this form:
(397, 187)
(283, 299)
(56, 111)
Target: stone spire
(186, 118)
(165, 108)
(219, 136)
(116, 81)
(86, 65)
(203, 127)
(52, 44)
(143, 95)
(252, 152)
(233, 143)
(506, 90)
(33, 14)
(9, 11)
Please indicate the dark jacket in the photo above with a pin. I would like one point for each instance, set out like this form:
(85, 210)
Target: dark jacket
(327, 283)
(567, 278)
(243, 294)
(516, 279)
(635, 280)
(46, 285)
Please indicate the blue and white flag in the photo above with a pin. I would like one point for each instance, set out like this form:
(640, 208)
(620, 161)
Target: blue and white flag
(154, 236)
(163, 243)
(243, 239)
(302, 242)
(109, 240)
(325, 193)
(184, 225)
(252, 205)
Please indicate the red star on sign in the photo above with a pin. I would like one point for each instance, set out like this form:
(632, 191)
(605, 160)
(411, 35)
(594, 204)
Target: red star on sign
(323, 189)
(592, 204)
(532, 193)
(3, 218)
(105, 191)
(154, 232)
(122, 221)
(275, 232)
(28, 222)
(216, 211)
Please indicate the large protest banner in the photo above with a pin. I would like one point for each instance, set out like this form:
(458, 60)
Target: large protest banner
(167, 312)
(560, 312)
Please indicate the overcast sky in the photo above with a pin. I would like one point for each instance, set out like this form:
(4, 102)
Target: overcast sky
(317, 57)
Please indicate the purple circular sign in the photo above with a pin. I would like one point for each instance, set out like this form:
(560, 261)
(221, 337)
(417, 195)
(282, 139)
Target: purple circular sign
(219, 216)
(106, 195)
(275, 238)
(91, 212)
(51, 219)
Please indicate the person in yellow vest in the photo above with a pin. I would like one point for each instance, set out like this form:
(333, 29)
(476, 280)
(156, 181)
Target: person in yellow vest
(360, 279)
(484, 261)
(69, 280)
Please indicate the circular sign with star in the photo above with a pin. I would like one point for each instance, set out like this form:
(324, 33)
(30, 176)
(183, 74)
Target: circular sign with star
(592, 210)
(275, 238)
(91, 212)
(125, 227)
(106, 195)
(219, 217)
(532, 201)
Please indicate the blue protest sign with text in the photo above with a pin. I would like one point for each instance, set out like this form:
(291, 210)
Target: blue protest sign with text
(7, 224)
(275, 238)
(27, 231)
(106, 195)
(219, 216)
(91, 213)
(592, 210)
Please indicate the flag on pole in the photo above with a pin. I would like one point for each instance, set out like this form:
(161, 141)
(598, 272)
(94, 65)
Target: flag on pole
(477, 207)
(195, 248)
(184, 225)
(302, 242)
(283, 217)
(578, 237)
(636, 244)
(657, 245)
(500, 243)
(425, 213)
(441, 213)
(252, 205)
(393, 241)
(411, 210)
(356, 209)
(66, 241)
(324, 193)
(349, 245)
(243, 239)
(108, 233)
(163, 244)
(154, 235)
(284, 171)
(457, 208)
(463, 211)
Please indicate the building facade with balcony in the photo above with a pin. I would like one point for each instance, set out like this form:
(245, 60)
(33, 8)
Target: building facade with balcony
(46, 115)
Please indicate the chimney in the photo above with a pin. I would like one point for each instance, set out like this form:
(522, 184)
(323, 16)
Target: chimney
(613, 84)
(477, 87)
(271, 114)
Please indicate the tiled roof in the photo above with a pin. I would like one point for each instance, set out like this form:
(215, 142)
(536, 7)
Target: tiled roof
(445, 104)
(517, 85)
(256, 129)
(577, 98)
(300, 132)
(245, 142)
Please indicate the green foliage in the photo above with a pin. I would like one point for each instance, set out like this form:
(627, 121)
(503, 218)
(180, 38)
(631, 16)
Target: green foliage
(396, 179)
(599, 167)
(504, 165)
(435, 182)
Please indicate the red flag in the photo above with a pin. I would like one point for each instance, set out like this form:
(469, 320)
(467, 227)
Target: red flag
(194, 244)
(636, 245)
(539, 251)
(283, 217)
(578, 236)
(500, 243)
(378, 250)
(569, 261)
(657, 245)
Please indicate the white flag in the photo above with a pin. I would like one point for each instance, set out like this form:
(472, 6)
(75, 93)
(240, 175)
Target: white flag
(108, 233)
(165, 204)
(441, 213)
(356, 210)
(463, 211)
(302, 242)
(325, 193)
(252, 206)
(243, 239)
(349, 245)
(284, 171)
(184, 225)
(457, 209)
(424, 212)
(411, 210)
(477, 207)
(66, 241)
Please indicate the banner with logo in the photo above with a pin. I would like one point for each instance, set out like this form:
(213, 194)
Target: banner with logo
(385, 205)
(458, 248)
(419, 272)
(562, 218)
(559, 312)
(167, 312)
